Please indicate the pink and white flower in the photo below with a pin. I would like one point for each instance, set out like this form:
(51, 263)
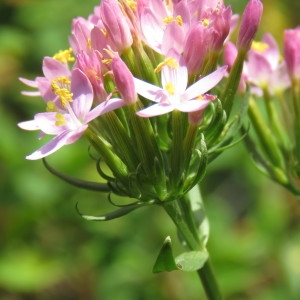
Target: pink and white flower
(68, 121)
(174, 93)
(52, 68)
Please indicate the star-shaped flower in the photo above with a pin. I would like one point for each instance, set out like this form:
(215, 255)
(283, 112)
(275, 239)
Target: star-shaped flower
(174, 93)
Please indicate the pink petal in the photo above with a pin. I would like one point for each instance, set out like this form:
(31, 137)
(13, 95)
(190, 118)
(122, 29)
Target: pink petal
(259, 69)
(46, 123)
(29, 125)
(31, 83)
(152, 29)
(205, 84)
(31, 94)
(65, 138)
(173, 38)
(178, 77)
(53, 68)
(82, 94)
(192, 105)
(155, 110)
(272, 53)
(148, 91)
(103, 108)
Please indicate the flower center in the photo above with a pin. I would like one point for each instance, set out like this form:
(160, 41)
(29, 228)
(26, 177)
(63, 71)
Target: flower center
(61, 87)
(60, 120)
(259, 46)
(169, 62)
(170, 88)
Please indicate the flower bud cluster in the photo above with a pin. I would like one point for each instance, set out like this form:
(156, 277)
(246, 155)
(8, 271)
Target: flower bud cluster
(136, 82)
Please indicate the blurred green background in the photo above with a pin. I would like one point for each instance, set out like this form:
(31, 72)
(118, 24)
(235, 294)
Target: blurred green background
(47, 251)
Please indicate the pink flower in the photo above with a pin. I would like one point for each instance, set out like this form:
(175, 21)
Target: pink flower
(124, 80)
(116, 24)
(80, 36)
(292, 52)
(249, 24)
(68, 121)
(91, 65)
(174, 93)
(52, 68)
(264, 67)
(196, 47)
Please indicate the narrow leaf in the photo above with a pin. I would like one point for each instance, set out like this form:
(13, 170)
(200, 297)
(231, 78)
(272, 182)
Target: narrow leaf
(89, 185)
(114, 214)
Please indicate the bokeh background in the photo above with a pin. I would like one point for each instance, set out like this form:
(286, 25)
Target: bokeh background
(47, 251)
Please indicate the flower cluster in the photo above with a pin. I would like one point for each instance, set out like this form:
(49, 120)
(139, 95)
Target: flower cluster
(275, 79)
(144, 82)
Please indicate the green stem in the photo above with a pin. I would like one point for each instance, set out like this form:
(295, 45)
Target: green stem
(181, 213)
(265, 136)
(208, 279)
(227, 97)
(273, 117)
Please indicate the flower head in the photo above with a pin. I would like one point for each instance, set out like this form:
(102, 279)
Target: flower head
(69, 114)
(174, 93)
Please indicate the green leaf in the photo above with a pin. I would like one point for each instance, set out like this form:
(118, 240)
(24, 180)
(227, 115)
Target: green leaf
(191, 260)
(187, 261)
(165, 260)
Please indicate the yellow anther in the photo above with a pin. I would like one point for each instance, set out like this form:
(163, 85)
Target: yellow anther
(132, 4)
(60, 87)
(64, 56)
(177, 19)
(205, 22)
(64, 80)
(170, 88)
(168, 19)
(89, 43)
(92, 74)
(259, 46)
(51, 107)
(60, 120)
(65, 96)
(200, 97)
(170, 62)
(104, 31)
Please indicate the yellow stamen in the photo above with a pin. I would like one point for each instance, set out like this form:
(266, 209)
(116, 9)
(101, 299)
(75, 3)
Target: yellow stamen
(51, 107)
(205, 22)
(170, 62)
(132, 4)
(104, 31)
(89, 43)
(60, 120)
(64, 80)
(179, 20)
(200, 97)
(259, 46)
(170, 19)
(64, 56)
(170, 88)
(61, 87)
